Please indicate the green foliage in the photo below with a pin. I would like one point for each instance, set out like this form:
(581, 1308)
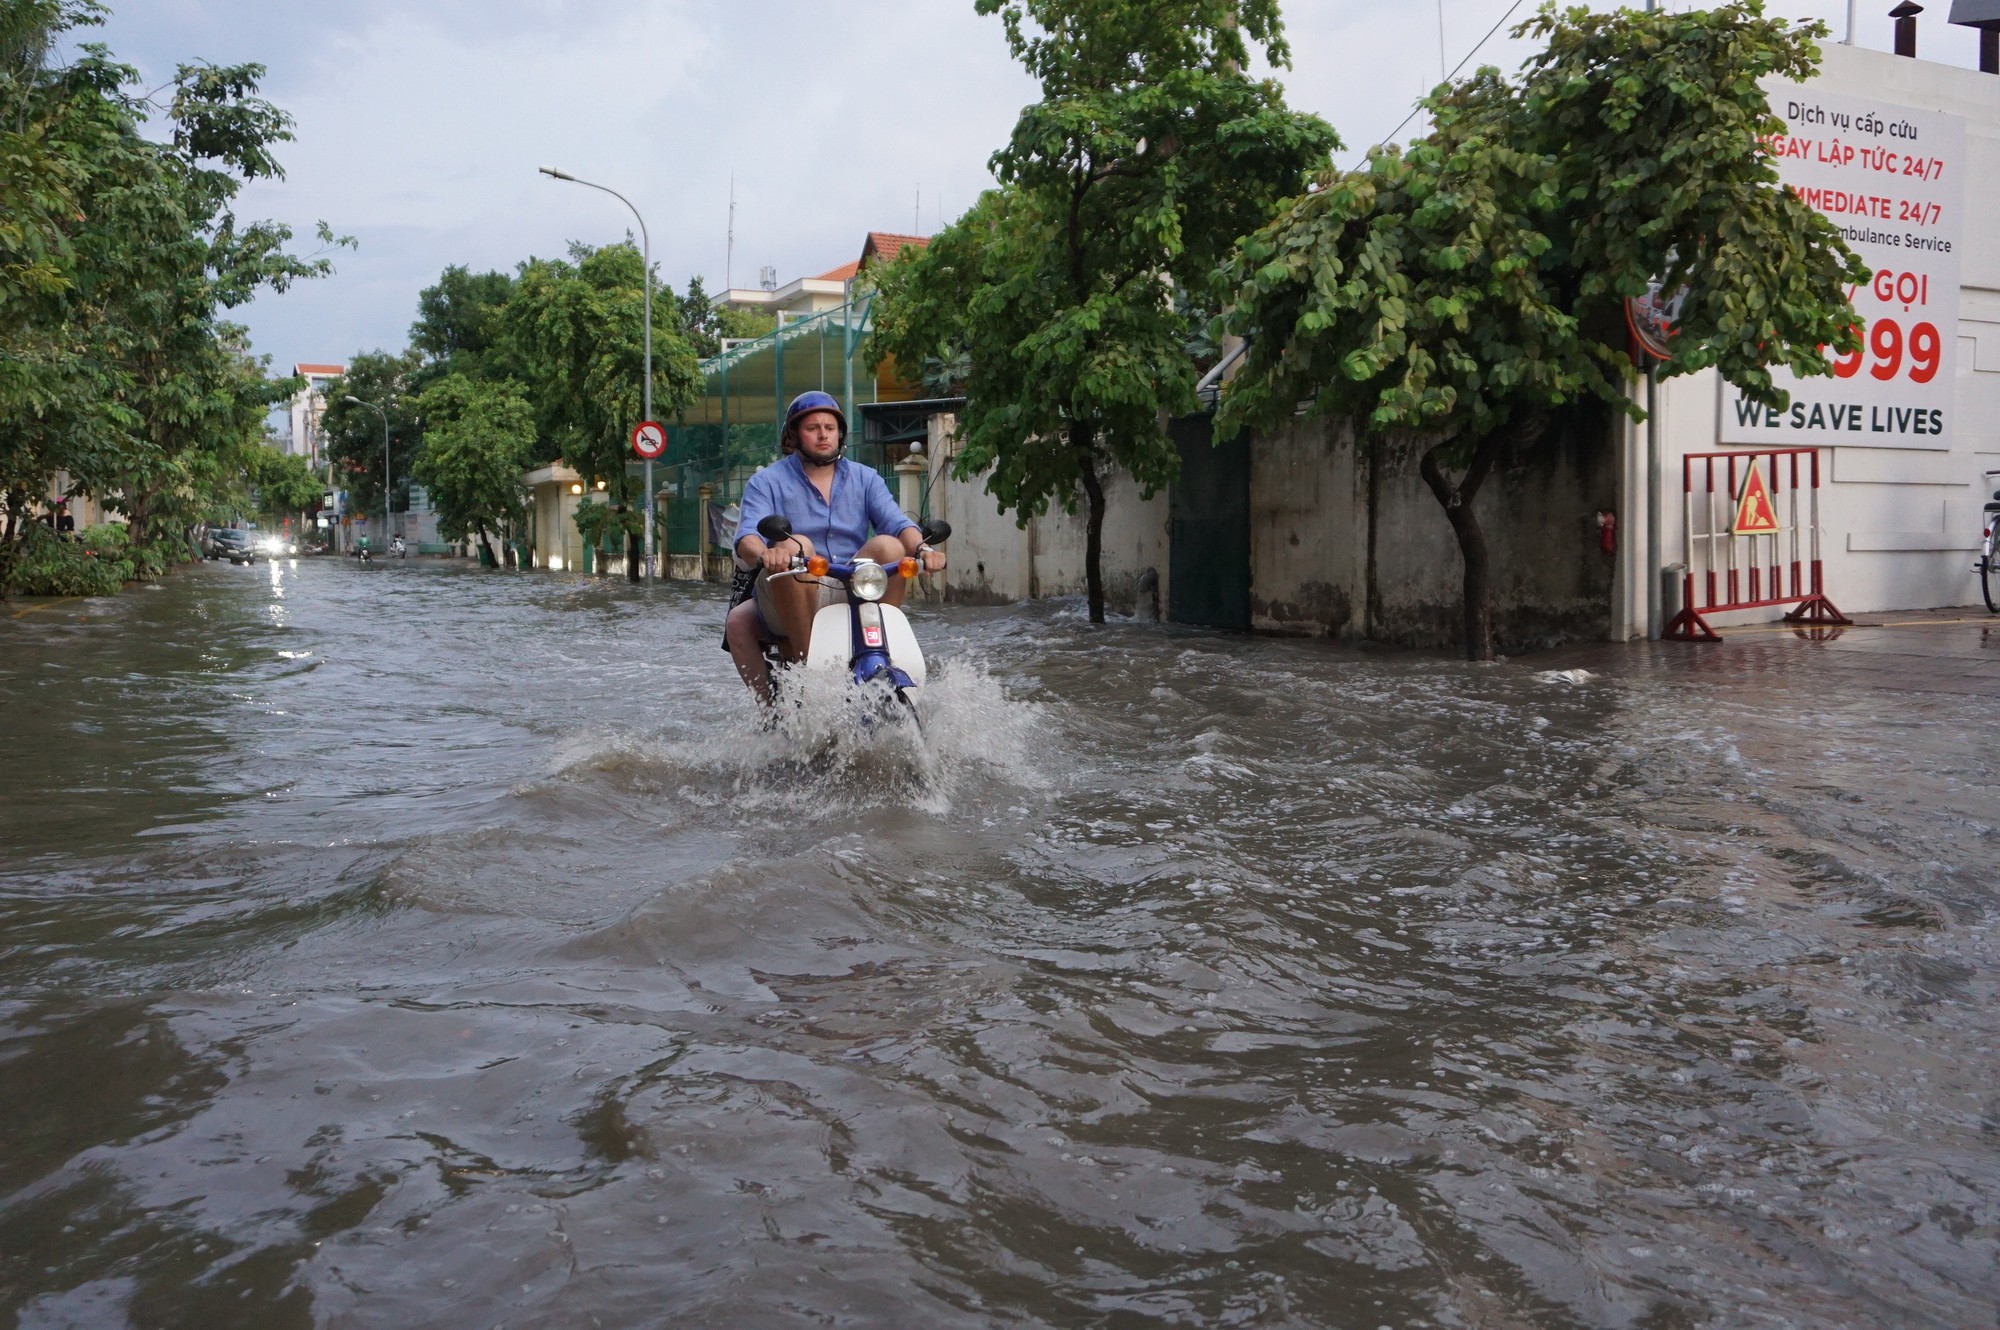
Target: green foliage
(578, 328)
(353, 433)
(286, 486)
(459, 329)
(1477, 277)
(595, 521)
(1470, 286)
(480, 437)
(120, 253)
(1064, 294)
(51, 566)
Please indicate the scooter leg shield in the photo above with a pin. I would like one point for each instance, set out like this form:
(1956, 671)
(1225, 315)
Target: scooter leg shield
(904, 653)
(832, 639)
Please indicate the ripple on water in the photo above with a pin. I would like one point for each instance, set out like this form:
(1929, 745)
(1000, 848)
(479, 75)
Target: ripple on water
(1164, 977)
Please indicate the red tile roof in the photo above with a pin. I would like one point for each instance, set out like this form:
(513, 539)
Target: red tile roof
(884, 246)
(840, 274)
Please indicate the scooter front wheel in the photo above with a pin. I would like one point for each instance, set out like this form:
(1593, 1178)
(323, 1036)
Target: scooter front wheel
(910, 708)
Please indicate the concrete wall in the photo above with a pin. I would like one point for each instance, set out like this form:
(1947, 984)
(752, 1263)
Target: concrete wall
(996, 560)
(1314, 504)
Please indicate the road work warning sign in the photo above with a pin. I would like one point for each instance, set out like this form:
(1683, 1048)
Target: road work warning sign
(1754, 514)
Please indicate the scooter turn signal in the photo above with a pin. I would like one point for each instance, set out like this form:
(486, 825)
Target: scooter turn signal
(907, 566)
(817, 566)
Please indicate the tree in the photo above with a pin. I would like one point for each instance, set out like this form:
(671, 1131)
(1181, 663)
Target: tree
(284, 483)
(577, 329)
(460, 326)
(119, 255)
(1148, 154)
(1466, 289)
(479, 437)
(353, 433)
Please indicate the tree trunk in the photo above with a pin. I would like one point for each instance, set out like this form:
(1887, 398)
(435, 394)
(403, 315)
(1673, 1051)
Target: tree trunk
(1093, 540)
(16, 500)
(486, 544)
(1457, 501)
(634, 557)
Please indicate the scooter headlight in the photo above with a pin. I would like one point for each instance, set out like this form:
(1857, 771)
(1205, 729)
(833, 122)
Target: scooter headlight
(870, 581)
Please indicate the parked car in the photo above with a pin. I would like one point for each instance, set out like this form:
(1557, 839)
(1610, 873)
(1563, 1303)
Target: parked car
(228, 543)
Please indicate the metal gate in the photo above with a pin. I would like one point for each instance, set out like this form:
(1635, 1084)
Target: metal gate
(1209, 528)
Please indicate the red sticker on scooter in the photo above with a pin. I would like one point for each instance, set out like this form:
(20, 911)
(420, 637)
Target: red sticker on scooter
(871, 634)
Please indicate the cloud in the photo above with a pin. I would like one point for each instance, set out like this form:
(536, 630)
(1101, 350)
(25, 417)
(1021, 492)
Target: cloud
(420, 125)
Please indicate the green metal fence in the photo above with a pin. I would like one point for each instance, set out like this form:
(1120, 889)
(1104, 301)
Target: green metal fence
(732, 431)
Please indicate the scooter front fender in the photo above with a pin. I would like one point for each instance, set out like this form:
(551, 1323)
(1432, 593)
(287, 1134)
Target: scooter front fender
(832, 639)
(904, 653)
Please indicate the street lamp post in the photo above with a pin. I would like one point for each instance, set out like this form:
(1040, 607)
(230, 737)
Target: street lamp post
(646, 389)
(385, 461)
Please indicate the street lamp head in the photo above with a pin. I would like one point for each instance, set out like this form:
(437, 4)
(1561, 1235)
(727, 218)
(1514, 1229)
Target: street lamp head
(555, 174)
(352, 398)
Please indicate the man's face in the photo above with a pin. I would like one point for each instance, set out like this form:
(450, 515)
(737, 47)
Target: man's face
(819, 436)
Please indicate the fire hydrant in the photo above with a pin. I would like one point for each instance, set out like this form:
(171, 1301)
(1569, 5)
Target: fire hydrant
(1607, 532)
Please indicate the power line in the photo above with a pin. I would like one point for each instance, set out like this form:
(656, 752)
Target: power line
(1454, 73)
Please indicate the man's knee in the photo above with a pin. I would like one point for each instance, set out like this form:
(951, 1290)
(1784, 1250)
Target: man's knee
(883, 550)
(741, 626)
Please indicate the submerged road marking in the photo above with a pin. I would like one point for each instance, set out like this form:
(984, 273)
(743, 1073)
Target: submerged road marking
(47, 606)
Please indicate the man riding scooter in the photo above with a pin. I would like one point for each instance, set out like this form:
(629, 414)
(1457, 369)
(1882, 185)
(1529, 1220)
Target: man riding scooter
(832, 503)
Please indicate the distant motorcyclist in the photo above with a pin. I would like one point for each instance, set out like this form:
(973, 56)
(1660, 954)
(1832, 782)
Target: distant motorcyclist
(396, 547)
(826, 497)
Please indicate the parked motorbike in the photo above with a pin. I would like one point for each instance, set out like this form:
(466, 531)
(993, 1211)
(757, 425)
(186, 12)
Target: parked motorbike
(397, 549)
(867, 639)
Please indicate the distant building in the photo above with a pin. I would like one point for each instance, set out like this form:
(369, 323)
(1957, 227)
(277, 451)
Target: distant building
(307, 406)
(806, 296)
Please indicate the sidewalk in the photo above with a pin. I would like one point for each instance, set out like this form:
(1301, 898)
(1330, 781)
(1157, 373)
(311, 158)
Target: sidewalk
(1905, 651)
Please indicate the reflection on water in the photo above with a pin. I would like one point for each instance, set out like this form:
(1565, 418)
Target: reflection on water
(415, 946)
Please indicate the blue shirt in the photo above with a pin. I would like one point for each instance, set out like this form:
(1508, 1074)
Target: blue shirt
(838, 529)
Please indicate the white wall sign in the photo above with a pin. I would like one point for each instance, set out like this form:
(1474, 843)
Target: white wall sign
(1893, 180)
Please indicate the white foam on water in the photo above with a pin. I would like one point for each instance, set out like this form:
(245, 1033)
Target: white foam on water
(855, 748)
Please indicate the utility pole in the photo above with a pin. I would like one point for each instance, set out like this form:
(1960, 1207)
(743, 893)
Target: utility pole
(1655, 616)
(646, 390)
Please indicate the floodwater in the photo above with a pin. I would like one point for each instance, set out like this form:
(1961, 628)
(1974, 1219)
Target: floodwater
(413, 946)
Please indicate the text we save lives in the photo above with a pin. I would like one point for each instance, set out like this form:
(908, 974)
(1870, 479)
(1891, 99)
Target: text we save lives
(1849, 417)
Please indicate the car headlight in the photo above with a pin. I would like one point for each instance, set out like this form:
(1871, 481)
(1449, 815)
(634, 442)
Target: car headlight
(870, 581)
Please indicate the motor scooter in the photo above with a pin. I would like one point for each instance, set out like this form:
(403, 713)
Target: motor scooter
(863, 637)
(398, 550)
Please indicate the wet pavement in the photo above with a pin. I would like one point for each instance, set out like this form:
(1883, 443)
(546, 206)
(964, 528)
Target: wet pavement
(410, 945)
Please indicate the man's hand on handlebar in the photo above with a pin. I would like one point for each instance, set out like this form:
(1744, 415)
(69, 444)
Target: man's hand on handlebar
(931, 560)
(778, 558)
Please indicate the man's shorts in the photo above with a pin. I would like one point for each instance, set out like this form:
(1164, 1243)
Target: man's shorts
(770, 622)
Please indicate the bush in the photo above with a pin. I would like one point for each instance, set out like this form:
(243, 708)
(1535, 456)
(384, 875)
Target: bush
(47, 565)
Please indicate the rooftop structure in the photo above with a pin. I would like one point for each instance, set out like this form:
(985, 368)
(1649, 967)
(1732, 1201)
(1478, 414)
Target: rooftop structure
(804, 297)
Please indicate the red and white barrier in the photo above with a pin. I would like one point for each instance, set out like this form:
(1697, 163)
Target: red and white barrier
(1743, 556)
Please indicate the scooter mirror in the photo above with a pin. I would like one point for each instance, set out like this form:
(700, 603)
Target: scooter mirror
(936, 531)
(775, 528)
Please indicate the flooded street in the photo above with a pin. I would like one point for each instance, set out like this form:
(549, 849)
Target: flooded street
(410, 946)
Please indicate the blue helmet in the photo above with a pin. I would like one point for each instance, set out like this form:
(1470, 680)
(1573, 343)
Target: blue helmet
(807, 403)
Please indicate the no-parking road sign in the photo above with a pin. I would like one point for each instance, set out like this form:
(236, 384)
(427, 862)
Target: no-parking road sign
(649, 439)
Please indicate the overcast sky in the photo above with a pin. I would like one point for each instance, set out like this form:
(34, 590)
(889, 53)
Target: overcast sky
(421, 123)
